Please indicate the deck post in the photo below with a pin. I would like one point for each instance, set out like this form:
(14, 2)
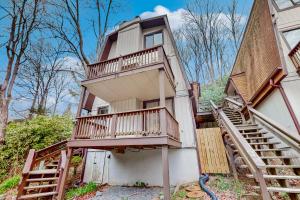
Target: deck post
(61, 189)
(162, 102)
(165, 166)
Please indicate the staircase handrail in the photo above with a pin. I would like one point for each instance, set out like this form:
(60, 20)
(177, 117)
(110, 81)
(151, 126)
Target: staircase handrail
(52, 147)
(251, 158)
(240, 105)
(280, 131)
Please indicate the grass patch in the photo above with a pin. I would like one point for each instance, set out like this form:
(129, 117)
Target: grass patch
(75, 192)
(181, 194)
(9, 183)
(223, 184)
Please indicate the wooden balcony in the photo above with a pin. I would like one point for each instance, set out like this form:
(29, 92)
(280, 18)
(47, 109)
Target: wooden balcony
(134, 75)
(295, 56)
(140, 59)
(147, 127)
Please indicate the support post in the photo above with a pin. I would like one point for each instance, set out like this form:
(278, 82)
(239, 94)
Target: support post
(61, 191)
(162, 102)
(166, 178)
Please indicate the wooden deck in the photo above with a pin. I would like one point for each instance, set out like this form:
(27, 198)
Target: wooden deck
(147, 127)
(136, 60)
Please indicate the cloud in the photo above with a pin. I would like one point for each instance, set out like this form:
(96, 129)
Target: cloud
(175, 17)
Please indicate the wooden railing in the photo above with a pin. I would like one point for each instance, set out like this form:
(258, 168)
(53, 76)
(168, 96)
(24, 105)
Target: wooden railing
(255, 163)
(128, 62)
(140, 123)
(295, 56)
(34, 159)
(292, 140)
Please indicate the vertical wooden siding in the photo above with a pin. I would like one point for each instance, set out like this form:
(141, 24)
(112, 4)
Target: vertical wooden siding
(212, 151)
(258, 55)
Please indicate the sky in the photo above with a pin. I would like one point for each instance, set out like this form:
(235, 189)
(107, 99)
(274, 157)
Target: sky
(127, 10)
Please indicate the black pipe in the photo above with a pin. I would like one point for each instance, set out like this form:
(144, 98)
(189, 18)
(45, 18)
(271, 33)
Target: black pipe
(202, 180)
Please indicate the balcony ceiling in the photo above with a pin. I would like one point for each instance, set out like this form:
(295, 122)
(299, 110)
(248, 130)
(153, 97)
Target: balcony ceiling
(142, 85)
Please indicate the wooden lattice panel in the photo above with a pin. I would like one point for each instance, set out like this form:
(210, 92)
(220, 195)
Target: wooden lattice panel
(212, 151)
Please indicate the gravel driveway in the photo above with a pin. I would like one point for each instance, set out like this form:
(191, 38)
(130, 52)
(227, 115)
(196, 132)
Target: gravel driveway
(128, 193)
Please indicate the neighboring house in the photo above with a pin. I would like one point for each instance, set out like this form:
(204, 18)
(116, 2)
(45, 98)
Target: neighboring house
(140, 122)
(267, 67)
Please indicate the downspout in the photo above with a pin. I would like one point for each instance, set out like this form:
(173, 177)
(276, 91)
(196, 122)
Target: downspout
(288, 104)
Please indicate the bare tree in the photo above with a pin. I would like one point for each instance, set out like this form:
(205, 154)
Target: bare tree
(205, 35)
(235, 24)
(67, 25)
(39, 75)
(22, 19)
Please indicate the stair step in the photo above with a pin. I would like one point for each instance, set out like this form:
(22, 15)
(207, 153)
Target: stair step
(248, 128)
(276, 166)
(283, 166)
(257, 138)
(281, 189)
(278, 157)
(39, 186)
(42, 179)
(44, 171)
(32, 196)
(285, 177)
(52, 165)
(263, 143)
(247, 125)
(265, 150)
(254, 133)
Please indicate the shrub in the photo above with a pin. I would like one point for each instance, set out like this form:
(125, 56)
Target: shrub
(37, 133)
(76, 160)
(75, 192)
(9, 184)
(214, 92)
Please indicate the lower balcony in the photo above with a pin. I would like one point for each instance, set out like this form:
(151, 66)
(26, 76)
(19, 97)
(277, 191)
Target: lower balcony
(148, 127)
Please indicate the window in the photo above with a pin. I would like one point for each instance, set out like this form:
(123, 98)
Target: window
(155, 103)
(153, 39)
(283, 4)
(292, 37)
(102, 110)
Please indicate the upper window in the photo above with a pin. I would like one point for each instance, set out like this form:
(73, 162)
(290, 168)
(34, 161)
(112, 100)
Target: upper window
(153, 39)
(103, 110)
(283, 4)
(292, 37)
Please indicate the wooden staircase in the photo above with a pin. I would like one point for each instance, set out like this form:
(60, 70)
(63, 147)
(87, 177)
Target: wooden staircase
(260, 149)
(42, 172)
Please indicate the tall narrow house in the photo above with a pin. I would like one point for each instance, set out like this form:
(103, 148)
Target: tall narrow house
(140, 122)
(267, 68)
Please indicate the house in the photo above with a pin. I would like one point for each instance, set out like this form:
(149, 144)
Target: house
(140, 121)
(135, 118)
(266, 70)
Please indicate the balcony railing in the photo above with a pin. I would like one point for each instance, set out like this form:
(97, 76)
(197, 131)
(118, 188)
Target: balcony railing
(129, 62)
(295, 56)
(140, 123)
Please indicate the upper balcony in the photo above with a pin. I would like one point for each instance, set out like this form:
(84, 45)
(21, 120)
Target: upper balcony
(295, 56)
(133, 75)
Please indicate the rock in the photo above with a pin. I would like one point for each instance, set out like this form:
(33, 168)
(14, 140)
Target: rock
(193, 188)
(195, 194)
(99, 194)
(2, 197)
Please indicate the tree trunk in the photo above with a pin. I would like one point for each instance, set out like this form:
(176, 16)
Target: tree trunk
(3, 118)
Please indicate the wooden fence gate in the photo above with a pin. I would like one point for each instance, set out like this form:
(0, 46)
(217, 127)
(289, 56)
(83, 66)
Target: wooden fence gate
(212, 151)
